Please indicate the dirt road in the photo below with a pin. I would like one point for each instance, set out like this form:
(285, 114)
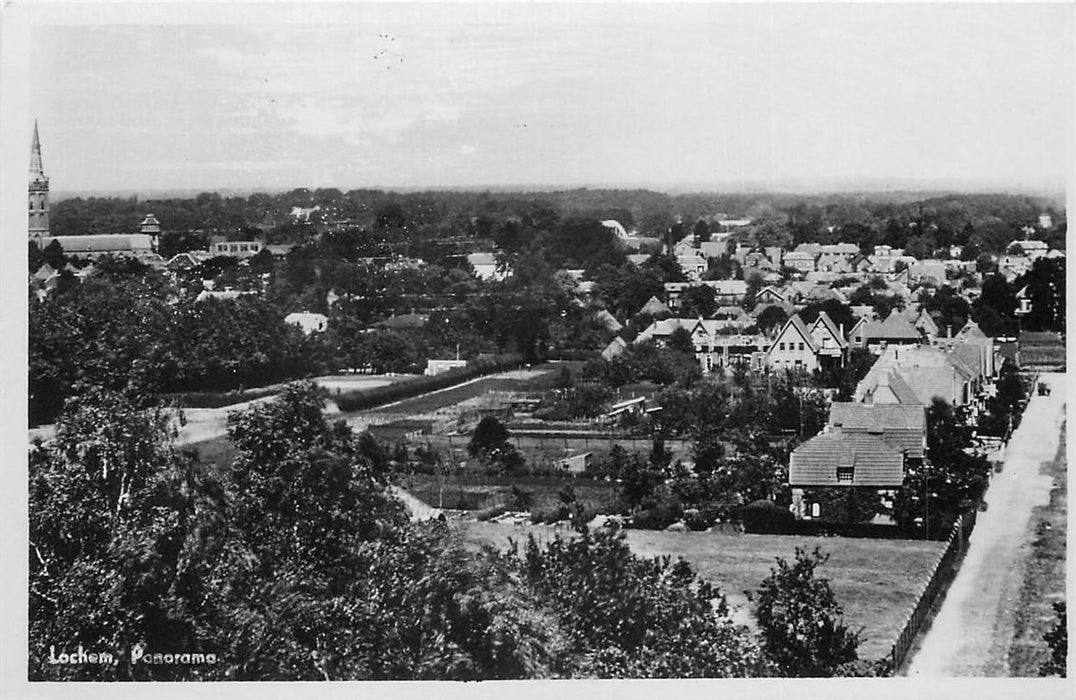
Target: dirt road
(973, 630)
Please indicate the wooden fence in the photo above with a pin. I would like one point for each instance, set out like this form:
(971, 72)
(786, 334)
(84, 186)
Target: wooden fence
(940, 575)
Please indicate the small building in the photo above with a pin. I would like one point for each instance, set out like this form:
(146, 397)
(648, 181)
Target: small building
(576, 464)
(485, 266)
(236, 249)
(435, 367)
(615, 348)
(307, 321)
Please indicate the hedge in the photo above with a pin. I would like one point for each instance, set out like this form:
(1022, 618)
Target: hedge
(362, 399)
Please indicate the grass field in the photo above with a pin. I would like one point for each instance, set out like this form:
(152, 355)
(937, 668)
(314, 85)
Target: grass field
(537, 379)
(1044, 580)
(876, 581)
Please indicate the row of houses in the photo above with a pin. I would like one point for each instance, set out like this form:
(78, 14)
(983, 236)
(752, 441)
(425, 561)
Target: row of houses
(873, 440)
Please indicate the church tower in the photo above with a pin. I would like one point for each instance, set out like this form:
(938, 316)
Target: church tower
(39, 192)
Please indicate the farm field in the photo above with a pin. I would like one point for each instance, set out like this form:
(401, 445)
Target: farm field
(543, 451)
(473, 492)
(875, 581)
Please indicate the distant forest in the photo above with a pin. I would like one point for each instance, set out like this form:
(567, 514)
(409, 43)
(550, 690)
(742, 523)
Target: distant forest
(917, 221)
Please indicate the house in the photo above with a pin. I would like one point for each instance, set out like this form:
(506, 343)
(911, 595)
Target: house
(769, 295)
(94, 246)
(576, 463)
(435, 367)
(401, 322)
(654, 307)
(307, 321)
(225, 295)
(875, 336)
(760, 260)
(694, 264)
(829, 338)
(485, 266)
(633, 406)
(926, 326)
(925, 373)
(804, 262)
(236, 249)
(1030, 249)
(834, 262)
(615, 348)
(794, 348)
(836, 458)
(608, 321)
(927, 270)
(725, 291)
(903, 427)
(733, 316)
(1013, 266)
(713, 349)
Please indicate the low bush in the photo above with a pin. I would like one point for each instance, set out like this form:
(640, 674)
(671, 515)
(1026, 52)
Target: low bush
(766, 517)
(491, 512)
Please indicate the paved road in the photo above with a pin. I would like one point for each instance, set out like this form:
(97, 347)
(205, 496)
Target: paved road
(973, 630)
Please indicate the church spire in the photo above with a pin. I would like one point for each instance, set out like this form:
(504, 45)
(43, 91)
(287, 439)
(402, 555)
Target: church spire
(38, 192)
(35, 155)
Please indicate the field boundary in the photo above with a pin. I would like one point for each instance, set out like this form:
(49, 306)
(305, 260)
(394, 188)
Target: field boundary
(941, 574)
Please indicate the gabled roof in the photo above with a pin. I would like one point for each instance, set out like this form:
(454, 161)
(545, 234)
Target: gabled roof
(893, 328)
(902, 426)
(654, 307)
(874, 462)
(614, 348)
(795, 325)
(826, 323)
(925, 323)
(608, 320)
(971, 330)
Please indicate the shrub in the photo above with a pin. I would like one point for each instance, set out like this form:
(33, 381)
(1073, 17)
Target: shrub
(657, 517)
(765, 517)
(491, 512)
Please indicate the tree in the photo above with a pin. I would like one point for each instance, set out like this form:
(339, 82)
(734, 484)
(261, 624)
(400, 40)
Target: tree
(701, 231)
(698, 300)
(53, 254)
(771, 319)
(950, 480)
(117, 523)
(680, 341)
(489, 435)
(802, 628)
(627, 617)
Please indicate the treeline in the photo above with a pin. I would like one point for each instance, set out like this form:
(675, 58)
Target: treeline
(297, 564)
(916, 222)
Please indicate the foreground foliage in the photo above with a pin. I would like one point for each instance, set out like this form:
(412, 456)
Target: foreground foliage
(298, 564)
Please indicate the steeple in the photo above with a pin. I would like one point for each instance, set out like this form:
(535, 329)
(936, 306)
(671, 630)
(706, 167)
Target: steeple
(38, 192)
(36, 169)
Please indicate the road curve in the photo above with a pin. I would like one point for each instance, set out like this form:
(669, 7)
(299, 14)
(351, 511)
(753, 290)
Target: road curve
(971, 634)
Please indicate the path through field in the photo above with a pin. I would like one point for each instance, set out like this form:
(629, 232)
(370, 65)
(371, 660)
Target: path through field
(973, 630)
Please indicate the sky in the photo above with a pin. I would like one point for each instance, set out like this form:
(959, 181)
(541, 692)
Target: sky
(660, 95)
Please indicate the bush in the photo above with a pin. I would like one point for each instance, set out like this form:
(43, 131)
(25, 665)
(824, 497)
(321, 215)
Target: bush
(766, 517)
(698, 520)
(491, 512)
(657, 517)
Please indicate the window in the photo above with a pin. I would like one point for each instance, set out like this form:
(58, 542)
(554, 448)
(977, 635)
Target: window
(845, 475)
(801, 347)
(782, 347)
